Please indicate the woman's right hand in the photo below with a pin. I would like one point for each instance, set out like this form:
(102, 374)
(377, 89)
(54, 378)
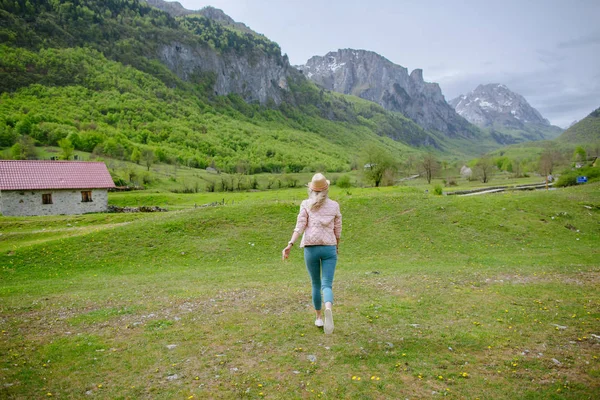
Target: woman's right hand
(286, 252)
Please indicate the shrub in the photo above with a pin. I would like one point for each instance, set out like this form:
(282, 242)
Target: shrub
(437, 190)
(291, 181)
(343, 182)
(147, 178)
(120, 182)
(569, 178)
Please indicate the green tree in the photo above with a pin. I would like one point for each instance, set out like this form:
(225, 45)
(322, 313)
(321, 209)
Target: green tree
(376, 162)
(580, 154)
(148, 157)
(131, 174)
(594, 149)
(67, 149)
(517, 168)
(16, 152)
(136, 155)
(75, 139)
(24, 149)
(7, 136)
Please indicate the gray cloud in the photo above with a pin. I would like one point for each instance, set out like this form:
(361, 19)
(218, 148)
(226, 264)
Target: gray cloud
(587, 40)
(549, 57)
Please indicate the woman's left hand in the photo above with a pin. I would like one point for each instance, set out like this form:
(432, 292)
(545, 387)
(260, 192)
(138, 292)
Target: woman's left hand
(286, 252)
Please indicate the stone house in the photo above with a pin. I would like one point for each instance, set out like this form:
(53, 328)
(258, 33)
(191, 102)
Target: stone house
(53, 187)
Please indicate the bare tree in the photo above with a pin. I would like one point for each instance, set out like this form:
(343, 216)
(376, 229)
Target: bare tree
(548, 160)
(485, 167)
(429, 166)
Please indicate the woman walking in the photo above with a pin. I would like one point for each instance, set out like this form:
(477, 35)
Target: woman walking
(321, 222)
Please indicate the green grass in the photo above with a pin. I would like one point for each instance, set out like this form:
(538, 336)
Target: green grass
(463, 296)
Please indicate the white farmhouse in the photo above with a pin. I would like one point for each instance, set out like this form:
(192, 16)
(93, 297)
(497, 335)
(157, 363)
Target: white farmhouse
(53, 187)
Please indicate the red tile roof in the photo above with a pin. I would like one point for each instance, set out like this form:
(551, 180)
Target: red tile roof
(26, 175)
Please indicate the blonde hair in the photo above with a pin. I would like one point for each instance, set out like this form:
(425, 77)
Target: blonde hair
(316, 199)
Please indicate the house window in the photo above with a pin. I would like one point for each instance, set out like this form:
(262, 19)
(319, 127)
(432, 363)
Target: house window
(47, 198)
(86, 196)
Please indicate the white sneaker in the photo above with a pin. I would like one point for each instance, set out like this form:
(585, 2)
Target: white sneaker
(328, 326)
(319, 322)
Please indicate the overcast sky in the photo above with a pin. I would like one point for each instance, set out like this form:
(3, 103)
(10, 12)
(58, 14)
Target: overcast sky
(547, 51)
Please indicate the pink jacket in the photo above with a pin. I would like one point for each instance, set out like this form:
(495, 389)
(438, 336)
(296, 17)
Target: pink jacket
(322, 227)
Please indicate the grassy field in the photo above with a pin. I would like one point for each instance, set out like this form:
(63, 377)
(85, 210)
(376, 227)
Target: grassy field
(491, 296)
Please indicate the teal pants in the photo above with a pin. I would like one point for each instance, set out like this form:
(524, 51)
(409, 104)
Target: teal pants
(320, 263)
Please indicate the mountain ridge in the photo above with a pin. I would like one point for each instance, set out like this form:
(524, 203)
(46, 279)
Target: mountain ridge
(586, 131)
(505, 113)
(175, 9)
(93, 74)
(373, 77)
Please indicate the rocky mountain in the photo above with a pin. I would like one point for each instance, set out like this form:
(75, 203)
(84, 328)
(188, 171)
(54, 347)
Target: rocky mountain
(240, 61)
(372, 77)
(233, 58)
(120, 77)
(504, 113)
(256, 77)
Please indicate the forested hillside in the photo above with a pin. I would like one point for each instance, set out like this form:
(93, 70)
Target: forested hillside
(87, 74)
(585, 131)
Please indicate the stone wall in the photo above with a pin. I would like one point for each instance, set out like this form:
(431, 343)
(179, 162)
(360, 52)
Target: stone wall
(29, 202)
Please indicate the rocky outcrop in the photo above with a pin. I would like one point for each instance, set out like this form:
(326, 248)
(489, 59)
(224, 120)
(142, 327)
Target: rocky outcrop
(219, 16)
(255, 73)
(256, 76)
(172, 7)
(372, 77)
(175, 9)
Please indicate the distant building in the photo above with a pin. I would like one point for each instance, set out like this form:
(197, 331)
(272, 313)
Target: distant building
(53, 187)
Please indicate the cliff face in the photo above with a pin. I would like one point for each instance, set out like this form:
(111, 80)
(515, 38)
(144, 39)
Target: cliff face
(255, 76)
(372, 77)
(237, 60)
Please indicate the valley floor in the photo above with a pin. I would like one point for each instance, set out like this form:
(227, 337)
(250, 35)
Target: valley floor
(464, 297)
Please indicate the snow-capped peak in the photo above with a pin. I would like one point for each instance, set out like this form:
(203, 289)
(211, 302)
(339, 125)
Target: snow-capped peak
(495, 102)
